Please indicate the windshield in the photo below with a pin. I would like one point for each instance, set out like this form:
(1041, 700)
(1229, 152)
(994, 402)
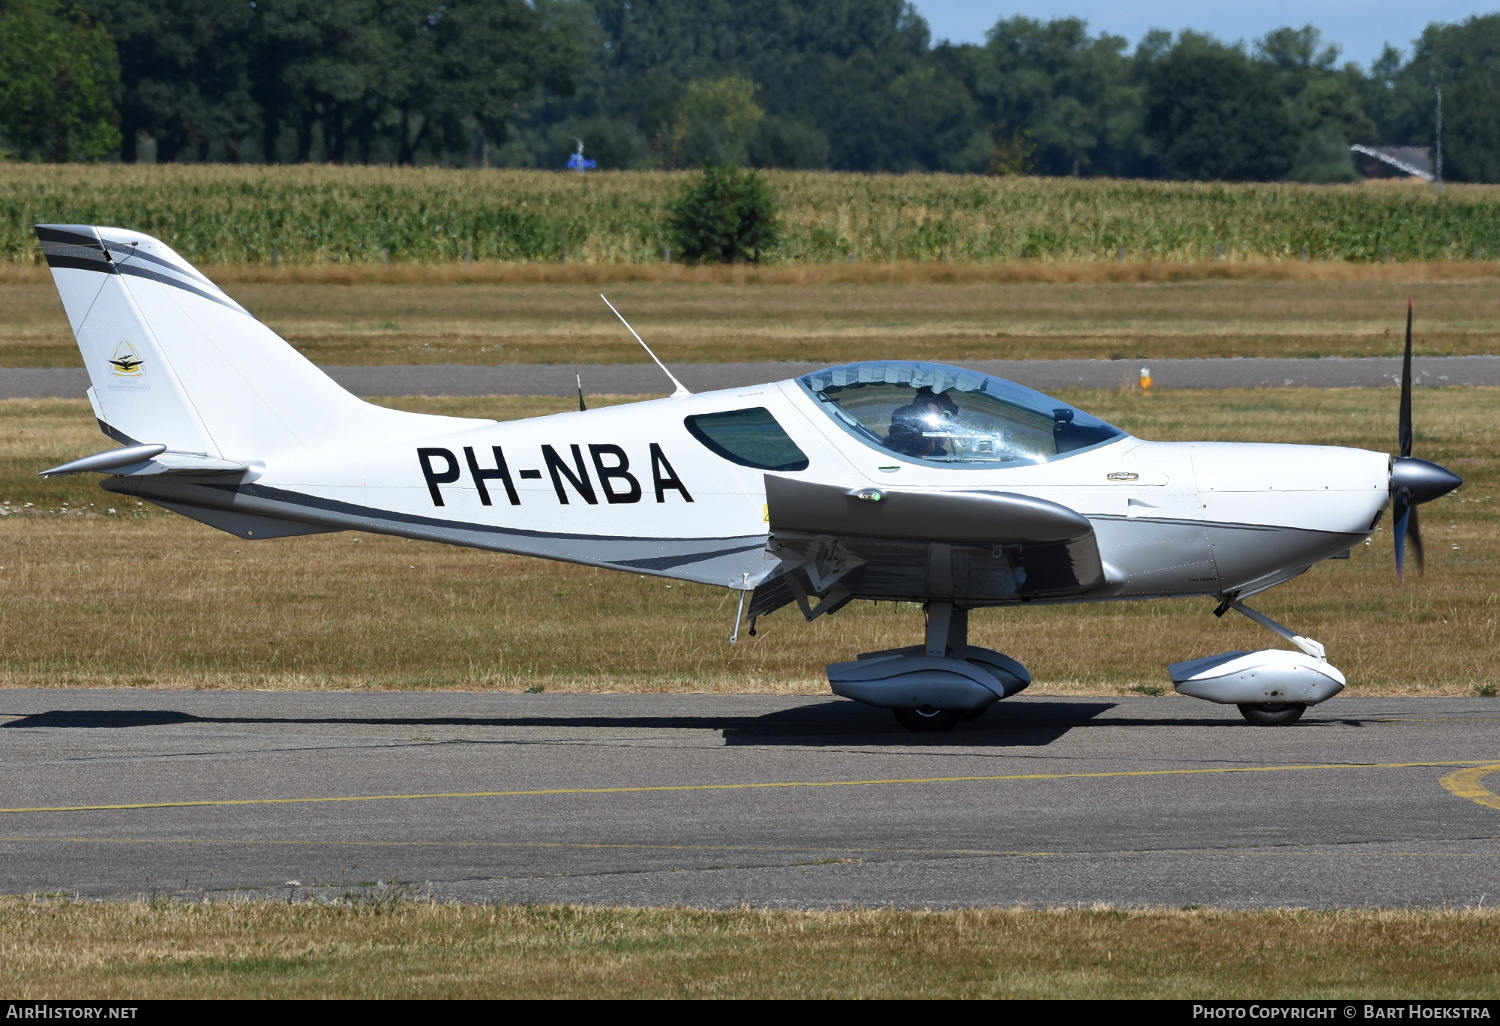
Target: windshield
(932, 412)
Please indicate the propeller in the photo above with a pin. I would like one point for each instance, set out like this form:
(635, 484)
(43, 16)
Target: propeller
(1413, 481)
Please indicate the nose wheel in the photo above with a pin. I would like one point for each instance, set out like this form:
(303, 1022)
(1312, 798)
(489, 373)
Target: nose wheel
(1273, 714)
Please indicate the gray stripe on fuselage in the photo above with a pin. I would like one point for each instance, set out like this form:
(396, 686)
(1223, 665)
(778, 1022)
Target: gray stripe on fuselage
(1193, 523)
(669, 562)
(718, 561)
(1241, 555)
(1166, 555)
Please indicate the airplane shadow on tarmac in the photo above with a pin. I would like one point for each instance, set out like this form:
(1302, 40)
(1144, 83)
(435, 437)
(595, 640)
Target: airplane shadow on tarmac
(1030, 724)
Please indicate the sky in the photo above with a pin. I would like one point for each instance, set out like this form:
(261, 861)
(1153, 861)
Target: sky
(1360, 27)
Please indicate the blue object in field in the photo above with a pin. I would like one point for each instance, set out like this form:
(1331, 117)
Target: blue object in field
(577, 161)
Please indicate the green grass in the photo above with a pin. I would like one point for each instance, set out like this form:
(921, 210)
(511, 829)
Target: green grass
(227, 950)
(369, 215)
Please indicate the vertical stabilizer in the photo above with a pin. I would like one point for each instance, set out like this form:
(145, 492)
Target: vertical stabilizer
(173, 360)
(136, 394)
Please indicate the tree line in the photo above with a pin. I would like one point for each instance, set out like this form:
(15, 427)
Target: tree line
(843, 84)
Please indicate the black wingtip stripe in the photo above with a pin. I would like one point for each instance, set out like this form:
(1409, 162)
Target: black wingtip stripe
(124, 253)
(45, 233)
(80, 263)
(86, 253)
(80, 258)
(72, 250)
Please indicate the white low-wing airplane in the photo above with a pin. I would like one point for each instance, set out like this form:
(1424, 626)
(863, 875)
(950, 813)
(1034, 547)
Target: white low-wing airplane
(887, 480)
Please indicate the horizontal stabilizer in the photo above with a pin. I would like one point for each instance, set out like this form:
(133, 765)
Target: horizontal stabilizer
(106, 462)
(144, 460)
(189, 463)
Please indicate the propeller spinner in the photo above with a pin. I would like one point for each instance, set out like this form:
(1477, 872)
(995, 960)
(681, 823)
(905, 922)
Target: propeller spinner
(1413, 481)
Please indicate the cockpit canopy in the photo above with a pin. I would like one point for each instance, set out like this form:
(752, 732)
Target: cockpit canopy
(941, 414)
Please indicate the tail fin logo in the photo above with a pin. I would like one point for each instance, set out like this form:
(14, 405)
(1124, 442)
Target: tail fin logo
(125, 364)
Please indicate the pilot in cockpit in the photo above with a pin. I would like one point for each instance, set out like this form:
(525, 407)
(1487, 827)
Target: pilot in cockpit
(920, 427)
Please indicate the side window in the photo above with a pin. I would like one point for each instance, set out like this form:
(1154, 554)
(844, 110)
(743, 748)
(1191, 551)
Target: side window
(751, 438)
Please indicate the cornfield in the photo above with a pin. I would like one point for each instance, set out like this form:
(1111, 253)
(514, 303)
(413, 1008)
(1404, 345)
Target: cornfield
(321, 215)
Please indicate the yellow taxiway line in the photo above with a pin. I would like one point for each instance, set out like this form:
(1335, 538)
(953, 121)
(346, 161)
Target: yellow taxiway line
(1466, 784)
(762, 785)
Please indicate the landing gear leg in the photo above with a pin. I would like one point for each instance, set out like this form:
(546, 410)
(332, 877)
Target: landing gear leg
(1277, 714)
(947, 635)
(934, 685)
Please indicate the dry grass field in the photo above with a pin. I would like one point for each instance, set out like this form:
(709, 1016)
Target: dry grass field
(101, 592)
(704, 318)
(124, 951)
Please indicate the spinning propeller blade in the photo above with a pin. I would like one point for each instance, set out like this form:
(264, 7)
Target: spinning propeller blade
(1404, 512)
(1403, 430)
(1413, 481)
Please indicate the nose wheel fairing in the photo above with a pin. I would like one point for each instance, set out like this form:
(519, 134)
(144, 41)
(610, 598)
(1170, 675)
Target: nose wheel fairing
(1272, 676)
(1272, 687)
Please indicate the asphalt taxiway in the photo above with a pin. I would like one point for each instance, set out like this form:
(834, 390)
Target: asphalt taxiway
(722, 800)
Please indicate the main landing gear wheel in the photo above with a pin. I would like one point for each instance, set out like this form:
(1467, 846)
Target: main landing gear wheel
(1273, 714)
(928, 721)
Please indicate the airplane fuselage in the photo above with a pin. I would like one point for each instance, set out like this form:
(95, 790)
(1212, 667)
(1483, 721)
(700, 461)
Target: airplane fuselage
(630, 487)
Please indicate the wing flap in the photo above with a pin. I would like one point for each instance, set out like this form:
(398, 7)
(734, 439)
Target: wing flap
(957, 517)
(973, 547)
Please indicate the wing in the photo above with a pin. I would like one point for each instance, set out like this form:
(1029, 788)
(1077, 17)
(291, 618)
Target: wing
(973, 547)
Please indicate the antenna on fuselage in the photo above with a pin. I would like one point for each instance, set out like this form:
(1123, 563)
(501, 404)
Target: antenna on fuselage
(681, 388)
